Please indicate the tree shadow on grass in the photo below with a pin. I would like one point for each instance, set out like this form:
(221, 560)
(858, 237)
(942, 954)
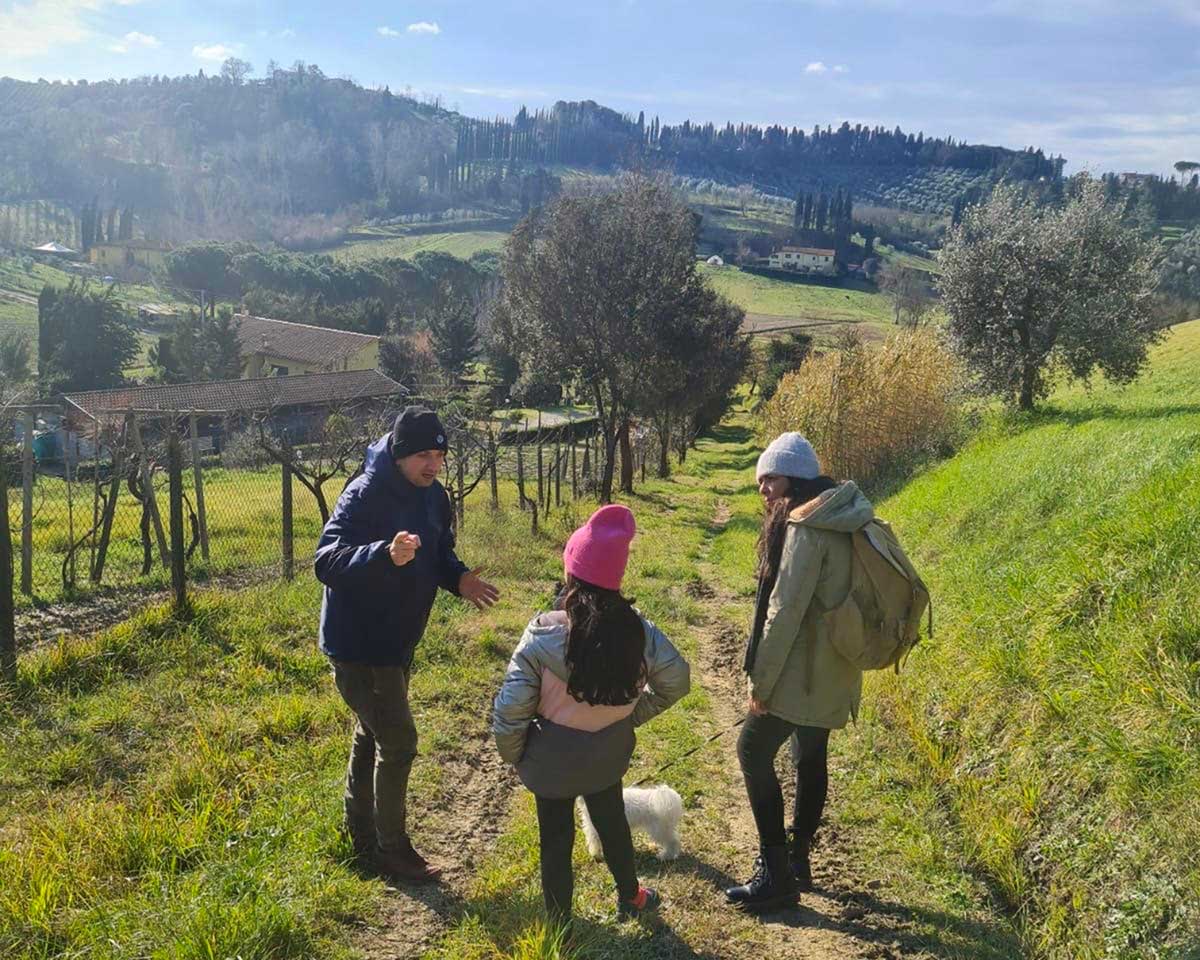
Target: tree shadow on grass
(1050, 415)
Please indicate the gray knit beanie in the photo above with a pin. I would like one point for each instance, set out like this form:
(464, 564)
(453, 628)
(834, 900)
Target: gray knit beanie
(789, 455)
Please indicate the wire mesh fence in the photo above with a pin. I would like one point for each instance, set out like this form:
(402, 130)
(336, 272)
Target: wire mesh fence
(89, 502)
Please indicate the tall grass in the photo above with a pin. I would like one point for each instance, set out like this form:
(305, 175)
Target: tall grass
(1058, 708)
(866, 411)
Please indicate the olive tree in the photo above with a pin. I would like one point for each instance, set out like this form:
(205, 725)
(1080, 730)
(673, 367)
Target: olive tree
(593, 285)
(1033, 291)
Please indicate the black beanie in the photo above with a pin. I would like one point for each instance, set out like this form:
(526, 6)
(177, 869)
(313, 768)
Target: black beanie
(417, 429)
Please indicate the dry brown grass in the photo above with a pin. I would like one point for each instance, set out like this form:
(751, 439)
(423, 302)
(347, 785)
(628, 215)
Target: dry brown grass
(868, 410)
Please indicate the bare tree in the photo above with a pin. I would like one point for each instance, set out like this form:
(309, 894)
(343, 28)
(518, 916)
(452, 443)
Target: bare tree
(907, 289)
(326, 452)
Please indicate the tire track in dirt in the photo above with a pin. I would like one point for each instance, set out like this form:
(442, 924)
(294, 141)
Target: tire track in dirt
(833, 921)
(476, 787)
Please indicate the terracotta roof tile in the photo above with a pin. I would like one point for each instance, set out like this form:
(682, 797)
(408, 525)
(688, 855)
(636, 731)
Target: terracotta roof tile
(301, 342)
(256, 394)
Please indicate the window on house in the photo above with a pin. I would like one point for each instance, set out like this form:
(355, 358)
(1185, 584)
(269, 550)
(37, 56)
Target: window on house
(278, 371)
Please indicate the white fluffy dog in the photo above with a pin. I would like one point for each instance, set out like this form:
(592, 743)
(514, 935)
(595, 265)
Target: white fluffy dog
(655, 810)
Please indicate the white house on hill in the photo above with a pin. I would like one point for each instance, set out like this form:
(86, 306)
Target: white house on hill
(804, 260)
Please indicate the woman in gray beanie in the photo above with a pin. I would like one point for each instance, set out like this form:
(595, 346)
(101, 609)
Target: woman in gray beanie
(800, 687)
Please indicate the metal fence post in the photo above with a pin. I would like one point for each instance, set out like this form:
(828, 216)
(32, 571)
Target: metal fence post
(287, 542)
(27, 506)
(175, 477)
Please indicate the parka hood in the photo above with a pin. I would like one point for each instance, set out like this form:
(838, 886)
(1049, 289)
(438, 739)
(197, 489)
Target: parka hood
(843, 509)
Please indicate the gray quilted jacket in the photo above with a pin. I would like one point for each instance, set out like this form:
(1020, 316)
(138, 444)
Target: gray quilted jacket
(562, 747)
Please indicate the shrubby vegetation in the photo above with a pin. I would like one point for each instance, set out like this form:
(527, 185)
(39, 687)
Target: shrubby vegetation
(1180, 272)
(85, 338)
(871, 411)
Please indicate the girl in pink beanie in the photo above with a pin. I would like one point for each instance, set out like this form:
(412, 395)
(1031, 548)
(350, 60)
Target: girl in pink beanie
(580, 680)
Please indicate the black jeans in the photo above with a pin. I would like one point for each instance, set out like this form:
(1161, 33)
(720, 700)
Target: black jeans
(556, 827)
(760, 740)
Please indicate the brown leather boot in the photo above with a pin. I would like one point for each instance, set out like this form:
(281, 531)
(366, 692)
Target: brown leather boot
(405, 865)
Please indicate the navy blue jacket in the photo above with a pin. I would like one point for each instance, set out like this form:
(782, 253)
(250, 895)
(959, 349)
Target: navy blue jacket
(373, 611)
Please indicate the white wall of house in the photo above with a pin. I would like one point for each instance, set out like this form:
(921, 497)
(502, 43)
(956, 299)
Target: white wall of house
(803, 260)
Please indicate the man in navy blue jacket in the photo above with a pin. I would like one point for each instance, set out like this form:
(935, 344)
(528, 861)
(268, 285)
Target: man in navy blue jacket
(383, 555)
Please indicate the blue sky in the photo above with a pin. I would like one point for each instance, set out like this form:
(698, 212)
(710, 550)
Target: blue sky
(1110, 84)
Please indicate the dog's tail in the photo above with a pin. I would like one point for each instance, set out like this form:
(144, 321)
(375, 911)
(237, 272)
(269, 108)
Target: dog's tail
(665, 802)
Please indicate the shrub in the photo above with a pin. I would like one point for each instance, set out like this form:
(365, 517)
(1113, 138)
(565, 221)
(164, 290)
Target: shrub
(867, 411)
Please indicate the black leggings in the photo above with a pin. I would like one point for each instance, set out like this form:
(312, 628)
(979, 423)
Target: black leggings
(556, 827)
(758, 743)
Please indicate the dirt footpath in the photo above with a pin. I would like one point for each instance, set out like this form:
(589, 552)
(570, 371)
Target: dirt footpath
(836, 919)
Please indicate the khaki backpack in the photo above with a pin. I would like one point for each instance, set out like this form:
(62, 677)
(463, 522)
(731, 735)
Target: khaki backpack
(880, 620)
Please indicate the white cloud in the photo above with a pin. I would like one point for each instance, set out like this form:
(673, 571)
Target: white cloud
(216, 52)
(39, 26)
(287, 34)
(816, 67)
(424, 26)
(841, 68)
(135, 39)
(388, 32)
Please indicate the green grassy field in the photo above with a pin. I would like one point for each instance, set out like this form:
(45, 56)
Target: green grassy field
(1024, 788)
(16, 314)
(243, 514)
(461, 244)
(756, 294)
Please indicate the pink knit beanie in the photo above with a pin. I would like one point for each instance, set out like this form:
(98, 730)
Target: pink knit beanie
(599, 550)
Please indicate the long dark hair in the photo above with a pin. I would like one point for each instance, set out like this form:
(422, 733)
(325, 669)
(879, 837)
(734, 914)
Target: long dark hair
(606, 645)
(770, 538)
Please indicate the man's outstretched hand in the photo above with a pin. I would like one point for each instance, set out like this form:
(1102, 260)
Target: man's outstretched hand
(472, 587)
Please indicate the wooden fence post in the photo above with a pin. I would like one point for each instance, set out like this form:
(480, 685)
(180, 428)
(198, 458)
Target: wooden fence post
(460, 501)
(8, 631)
(70, 512)
(287, 541)
(541, 490)
(558, 464)
(95, 498)
(201, 515)
(574, 471)
(492, 455)
(110, 509)
(175, 496)
(27, 506)
(148, 483)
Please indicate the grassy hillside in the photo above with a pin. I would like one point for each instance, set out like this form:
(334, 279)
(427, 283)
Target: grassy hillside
(1058, 708)
(173, 789)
